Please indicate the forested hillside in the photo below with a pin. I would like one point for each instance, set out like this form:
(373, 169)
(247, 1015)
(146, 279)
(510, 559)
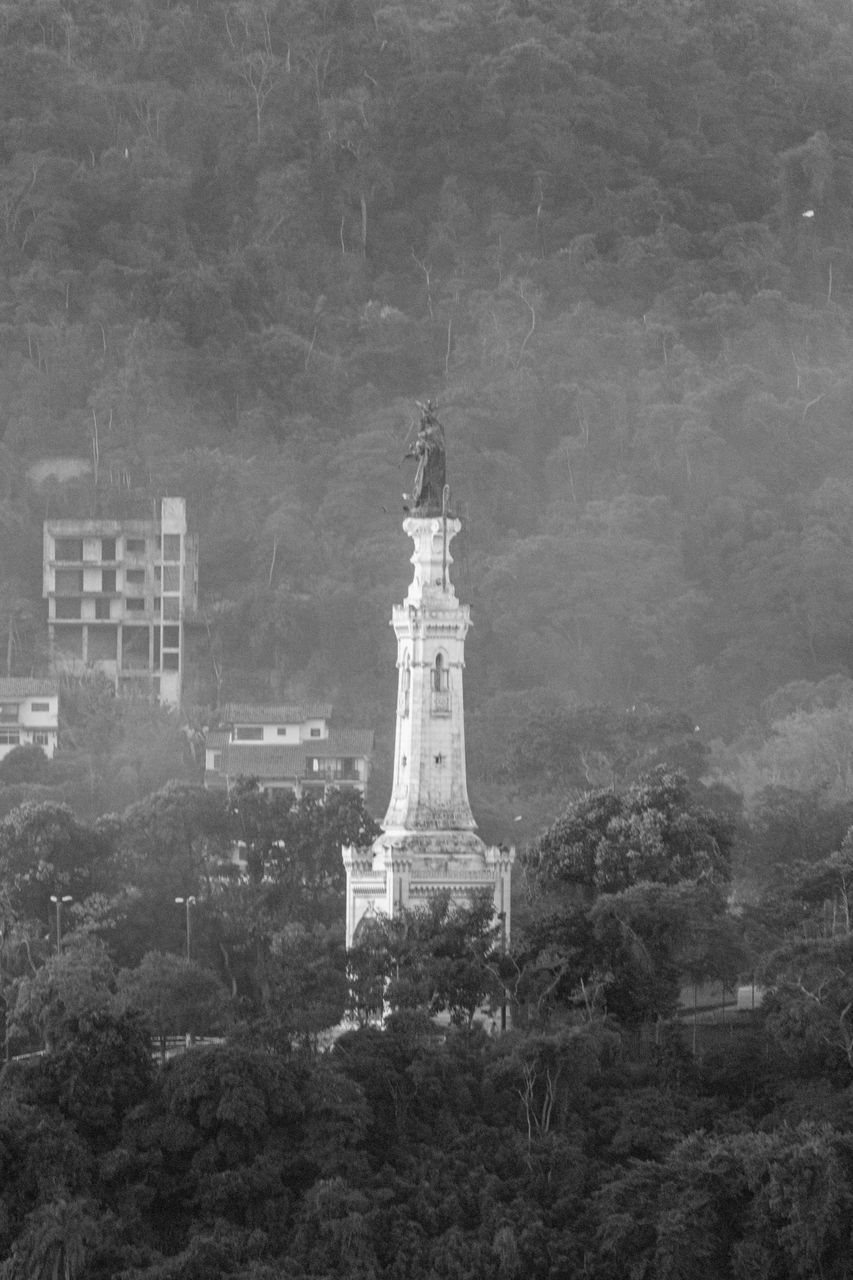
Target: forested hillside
(613, 240)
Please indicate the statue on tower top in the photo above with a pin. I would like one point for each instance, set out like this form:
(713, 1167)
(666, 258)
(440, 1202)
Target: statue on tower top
(430, 450)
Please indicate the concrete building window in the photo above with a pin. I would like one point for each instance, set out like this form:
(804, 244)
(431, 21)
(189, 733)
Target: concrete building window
(108, 579)
(68, 549)
(171, 662)
(172, 608)
(135, 577)
(69, 582)
(69, 642)
(102, 644)
(134, 648)
(67, 609)
(172, 547)
(171, 577)
(135, 546)
(249, 733)
(108, 548)
(135, 606)
(102, 610)
(171, 637)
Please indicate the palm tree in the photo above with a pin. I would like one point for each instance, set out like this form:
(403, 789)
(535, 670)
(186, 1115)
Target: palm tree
(57, 1242)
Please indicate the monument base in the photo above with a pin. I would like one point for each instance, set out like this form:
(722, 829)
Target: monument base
(404, 870)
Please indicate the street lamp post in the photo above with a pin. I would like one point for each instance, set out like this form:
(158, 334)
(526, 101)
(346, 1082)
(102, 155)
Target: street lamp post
(190, 901)
(58, 900)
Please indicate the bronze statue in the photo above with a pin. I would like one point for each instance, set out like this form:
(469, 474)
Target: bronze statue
(429, 449)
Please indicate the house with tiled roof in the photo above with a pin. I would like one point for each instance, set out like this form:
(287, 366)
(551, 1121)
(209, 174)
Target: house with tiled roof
(29, 713)
(286, 746)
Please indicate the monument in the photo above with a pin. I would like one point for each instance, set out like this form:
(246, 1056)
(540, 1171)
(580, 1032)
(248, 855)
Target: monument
(429, 843)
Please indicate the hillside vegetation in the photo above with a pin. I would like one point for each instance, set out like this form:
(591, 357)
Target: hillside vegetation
(613, 240)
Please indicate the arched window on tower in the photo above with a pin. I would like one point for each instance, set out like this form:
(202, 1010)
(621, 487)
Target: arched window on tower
(440, 684)
(439, 674)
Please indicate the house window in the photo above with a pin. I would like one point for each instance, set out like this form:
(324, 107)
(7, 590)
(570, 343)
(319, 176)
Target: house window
(249, 733)
(67, 609)
(282, 733)
(8, 712)
(108, 548)
(10, 737)
(102, 610)
(172, 547)
(316, 733)
(40, 738)
(40, 706)
(68, 549)
(217, 760)
(135, 546)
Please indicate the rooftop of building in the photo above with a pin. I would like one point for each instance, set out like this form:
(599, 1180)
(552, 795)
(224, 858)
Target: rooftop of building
(254, 760)
(274, 713)
(28, 687)
(276, 760)
(342, 742)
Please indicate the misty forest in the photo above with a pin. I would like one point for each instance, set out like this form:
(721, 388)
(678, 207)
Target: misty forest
(613, 241)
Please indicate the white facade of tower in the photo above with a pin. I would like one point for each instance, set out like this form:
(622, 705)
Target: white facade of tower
(429, 843)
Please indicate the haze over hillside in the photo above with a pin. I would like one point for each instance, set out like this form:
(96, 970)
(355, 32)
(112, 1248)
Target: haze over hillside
(612, 240)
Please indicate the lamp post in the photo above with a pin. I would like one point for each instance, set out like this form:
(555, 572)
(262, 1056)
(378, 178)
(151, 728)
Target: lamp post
(190, 901)
(58, 900)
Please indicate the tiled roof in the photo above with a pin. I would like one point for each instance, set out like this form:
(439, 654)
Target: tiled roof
(271, 760)
(216, 740)
(342, 742)
(28, 687)
(282, 713)
(258, 761)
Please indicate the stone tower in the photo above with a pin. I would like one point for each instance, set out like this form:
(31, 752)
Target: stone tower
(429, 843)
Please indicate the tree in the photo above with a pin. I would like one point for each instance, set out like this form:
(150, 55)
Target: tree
(45, 850)
(436, 959)
(72, 986)
(175, 996)
(653, 831)
(306, 860)
(169, 840)
(775, 1202)
(24, 764)
(59, 1240)
(100, 1068)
